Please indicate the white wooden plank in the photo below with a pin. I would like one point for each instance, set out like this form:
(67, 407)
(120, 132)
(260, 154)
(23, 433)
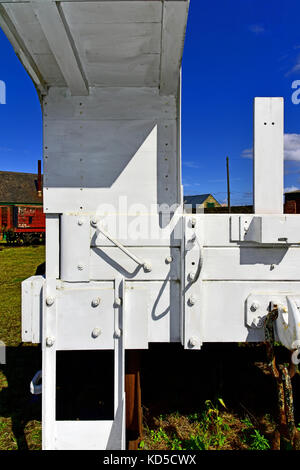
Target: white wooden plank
(249, 263)
(173, 33)
(268, 155)
(113, 12)
(108, 104)
(105, 262)
(60, 43)
(224, 308)
(20, 49)
(31, 32)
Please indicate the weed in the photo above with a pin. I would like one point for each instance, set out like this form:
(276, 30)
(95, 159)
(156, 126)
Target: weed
(259, 442)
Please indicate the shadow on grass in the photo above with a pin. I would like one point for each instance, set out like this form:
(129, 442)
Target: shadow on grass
(16, 401)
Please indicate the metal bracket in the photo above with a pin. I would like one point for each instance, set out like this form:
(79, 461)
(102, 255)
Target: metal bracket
(191, 285)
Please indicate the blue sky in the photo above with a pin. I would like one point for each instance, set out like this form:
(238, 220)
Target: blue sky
(235, 50)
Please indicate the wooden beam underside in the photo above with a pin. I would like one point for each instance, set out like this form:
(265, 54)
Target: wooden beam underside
(98, 43)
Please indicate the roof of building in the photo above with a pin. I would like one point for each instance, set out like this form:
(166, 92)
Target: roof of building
(19, 187)
(197, 199)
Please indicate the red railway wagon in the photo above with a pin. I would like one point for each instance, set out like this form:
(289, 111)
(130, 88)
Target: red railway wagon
(22, 224)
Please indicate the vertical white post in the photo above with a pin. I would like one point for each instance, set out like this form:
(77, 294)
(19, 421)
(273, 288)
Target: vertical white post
(268, 155)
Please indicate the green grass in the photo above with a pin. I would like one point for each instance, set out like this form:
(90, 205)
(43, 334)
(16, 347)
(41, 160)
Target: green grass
(213, 428)
(20, 426)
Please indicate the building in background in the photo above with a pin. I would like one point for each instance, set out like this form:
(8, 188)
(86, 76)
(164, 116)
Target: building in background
(292, 202)
(22, 220)
(197, 203)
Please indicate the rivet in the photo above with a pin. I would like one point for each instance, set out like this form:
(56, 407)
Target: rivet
(192, 300)
(80, 267)
(96, 302)
(193, 341)
(147, 267)
(80, 221)
(96, 332)
(50, 301)
(169, 259)
(118, 302)
(49, 341)
(254, 306)
(94, 221)
(191, 276)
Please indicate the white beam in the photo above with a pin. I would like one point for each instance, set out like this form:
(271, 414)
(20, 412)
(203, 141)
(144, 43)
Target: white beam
(268, 155)
(173, 33)
(60, 42)
(20, 49)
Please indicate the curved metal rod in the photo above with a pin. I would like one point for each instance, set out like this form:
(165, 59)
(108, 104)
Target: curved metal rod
(146, 265)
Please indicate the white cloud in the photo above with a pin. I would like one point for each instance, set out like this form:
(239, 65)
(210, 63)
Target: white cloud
(247, 153)
(291, 148)
(256, 28)
(191, 164)
(290, 189)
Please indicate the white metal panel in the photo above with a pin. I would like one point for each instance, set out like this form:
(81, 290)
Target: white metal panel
(83, 435)
(75, 248)
(268, 155)
(52, 246)
(78, 317)
(163, 299)
(136, 314)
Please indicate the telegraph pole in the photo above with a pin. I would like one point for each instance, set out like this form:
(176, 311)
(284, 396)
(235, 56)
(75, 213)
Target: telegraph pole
(228, 185)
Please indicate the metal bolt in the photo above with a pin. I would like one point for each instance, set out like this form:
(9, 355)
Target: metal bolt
(168, 259)
(191, 276)
(193, 221)
(80, 222)
(192, 300)
(94, 221)
(147, 267)
(254, 306)
(193, 342)
(49, 341)
(118, 333)
(96, 332)
(118, 302)
(96, 302)
(50, 301)
(80, 267)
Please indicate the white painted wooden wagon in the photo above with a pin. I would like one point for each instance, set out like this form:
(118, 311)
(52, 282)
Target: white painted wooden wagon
(124, 265)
